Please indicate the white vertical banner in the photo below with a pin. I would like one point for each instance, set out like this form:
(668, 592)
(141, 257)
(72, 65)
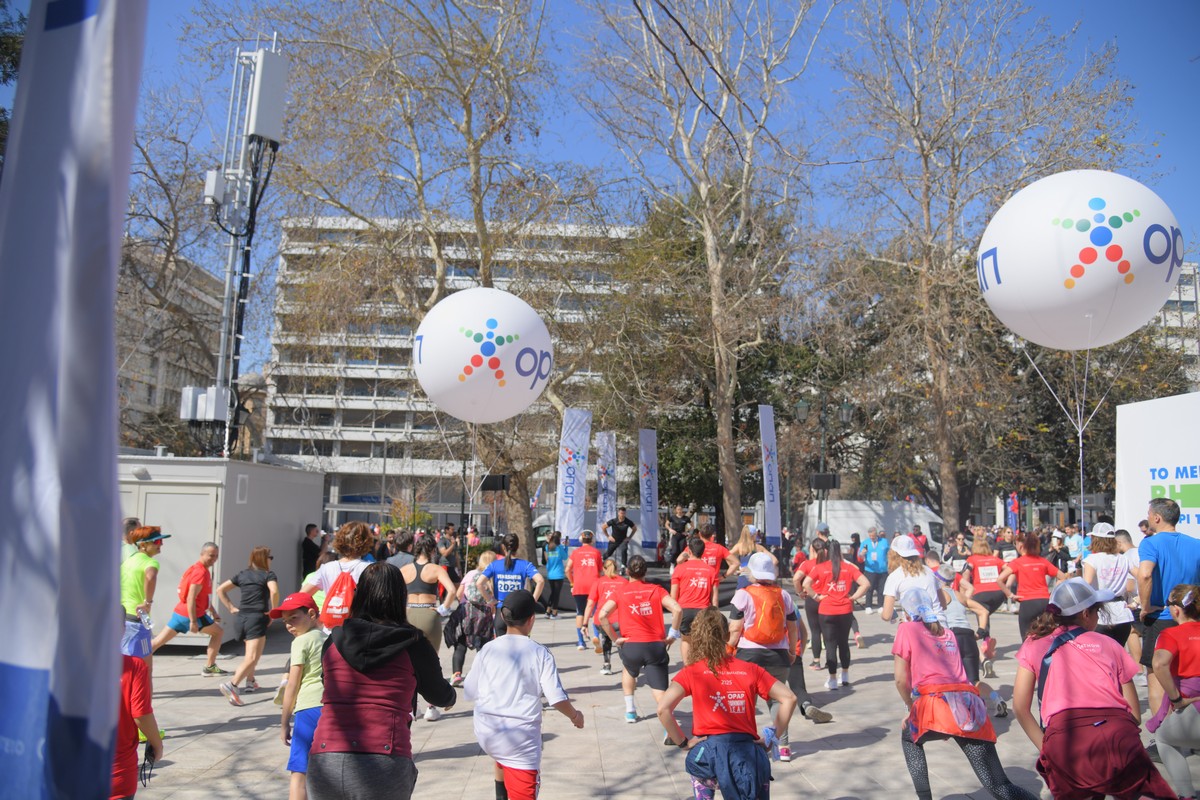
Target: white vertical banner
(770, 475)
(571, 496)
(606, 481)
(62, 201)
(648, 486)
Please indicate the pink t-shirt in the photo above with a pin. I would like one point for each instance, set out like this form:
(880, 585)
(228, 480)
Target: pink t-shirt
(932, 660)
(1084, 673)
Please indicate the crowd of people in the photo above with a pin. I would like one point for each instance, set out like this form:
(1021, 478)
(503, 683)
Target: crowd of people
(1097, 617)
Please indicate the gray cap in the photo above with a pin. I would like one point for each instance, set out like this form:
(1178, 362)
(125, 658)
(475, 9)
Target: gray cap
(1075, 595)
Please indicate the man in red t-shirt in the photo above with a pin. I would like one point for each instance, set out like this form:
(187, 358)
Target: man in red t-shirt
(694, 585)
(583, 568)
(714, 553)
(133, 714)
(643, 642)
(192, 611)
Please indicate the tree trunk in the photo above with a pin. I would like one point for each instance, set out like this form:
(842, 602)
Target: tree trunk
(939, 392)
(725, 371)
(520, 515)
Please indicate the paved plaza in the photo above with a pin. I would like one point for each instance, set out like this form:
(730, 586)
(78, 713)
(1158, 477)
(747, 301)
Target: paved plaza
(214, 750)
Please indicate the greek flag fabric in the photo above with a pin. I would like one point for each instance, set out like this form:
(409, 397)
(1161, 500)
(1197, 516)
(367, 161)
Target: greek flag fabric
(62, 200)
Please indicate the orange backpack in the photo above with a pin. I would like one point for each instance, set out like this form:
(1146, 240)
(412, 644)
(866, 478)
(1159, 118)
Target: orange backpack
(770, 624)
(338, 599)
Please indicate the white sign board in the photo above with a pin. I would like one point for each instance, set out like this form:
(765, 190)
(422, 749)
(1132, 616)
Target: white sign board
(1158, 455)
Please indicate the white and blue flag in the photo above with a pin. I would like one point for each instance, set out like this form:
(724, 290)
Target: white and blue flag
(606, 481)
(62, 201)
(571, 495)
(770, 475)
(648, 486)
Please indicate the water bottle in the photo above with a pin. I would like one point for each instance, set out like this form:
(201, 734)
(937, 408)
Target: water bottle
(144, 616)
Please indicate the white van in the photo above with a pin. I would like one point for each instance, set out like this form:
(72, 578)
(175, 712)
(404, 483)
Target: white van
(855, 516)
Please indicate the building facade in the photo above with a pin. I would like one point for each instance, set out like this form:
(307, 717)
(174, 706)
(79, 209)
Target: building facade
(1179, 321)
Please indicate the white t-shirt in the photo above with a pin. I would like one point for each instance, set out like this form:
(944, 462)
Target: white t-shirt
(328, 573)
(507, 681)
(1111, 573)
(898, 583)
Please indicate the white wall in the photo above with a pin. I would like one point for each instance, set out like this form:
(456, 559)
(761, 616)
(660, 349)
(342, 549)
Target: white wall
(1158, 455)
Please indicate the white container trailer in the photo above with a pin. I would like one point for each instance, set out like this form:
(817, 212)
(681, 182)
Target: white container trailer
(855, 516)
(237, 504)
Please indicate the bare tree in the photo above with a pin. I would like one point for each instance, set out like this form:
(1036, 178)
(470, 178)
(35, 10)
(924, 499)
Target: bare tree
(689, 93)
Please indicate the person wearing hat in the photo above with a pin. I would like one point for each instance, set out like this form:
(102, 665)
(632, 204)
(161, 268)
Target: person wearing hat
(942, 702)
(1105, 568)
(764, 628)
(911, 574)
(139, 578)
(1087, 728)
(507, 682)
(303, 686)
(1057, 554)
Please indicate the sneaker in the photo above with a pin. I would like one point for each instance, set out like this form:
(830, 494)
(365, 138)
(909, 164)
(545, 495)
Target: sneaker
(607, 670)
(631, 716)
(832, 683)
(816, 665)
(581, 646)
(858, 640)
(231, 692)
(785, 753)
(989, 648)
(989, 669)
(1152, 751)
(869, 610)
(251, 686)
(597, 645)
(433, 714)
(1139, 679)
(457, 680)
(213, 672)
(815, 714)
(667, 741)
(1001, 709)
(844, 682)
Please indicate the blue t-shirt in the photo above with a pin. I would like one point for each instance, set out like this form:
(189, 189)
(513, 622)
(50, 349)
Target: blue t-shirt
(1176, 558)
(556, 563)
(876, 555)
(508, 580)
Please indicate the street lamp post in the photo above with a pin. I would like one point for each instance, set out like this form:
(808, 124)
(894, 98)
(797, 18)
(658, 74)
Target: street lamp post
(845, 415)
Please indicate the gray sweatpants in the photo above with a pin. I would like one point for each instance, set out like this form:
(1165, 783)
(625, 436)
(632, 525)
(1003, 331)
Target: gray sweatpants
(1178, 734)
(360, 776)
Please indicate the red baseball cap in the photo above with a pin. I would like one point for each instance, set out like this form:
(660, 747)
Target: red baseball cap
(292, 602)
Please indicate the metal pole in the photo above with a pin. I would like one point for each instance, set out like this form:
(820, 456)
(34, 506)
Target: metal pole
(382, 483)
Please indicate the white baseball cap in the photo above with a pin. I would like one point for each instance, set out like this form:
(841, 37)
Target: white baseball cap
(1104, 531)
(762, 567)
(905, 547)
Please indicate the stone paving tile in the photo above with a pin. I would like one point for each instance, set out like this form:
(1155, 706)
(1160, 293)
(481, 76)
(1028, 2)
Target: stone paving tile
(215, 751)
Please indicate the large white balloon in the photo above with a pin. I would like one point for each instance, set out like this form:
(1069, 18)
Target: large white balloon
(482, 355)
(1079, 259)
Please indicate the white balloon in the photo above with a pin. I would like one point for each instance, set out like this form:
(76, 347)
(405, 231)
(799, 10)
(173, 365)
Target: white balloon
(1079, 259)
(482, 355)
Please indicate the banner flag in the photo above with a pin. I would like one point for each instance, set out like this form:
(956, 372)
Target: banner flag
(648, 484)
(62, 203)
(606, 481)
(571, 498)
(770, 475)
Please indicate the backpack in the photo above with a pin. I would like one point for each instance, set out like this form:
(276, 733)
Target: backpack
(769, 624)
(338, 599)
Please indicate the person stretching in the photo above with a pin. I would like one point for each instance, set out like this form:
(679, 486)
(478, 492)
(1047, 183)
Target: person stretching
(1177, 667)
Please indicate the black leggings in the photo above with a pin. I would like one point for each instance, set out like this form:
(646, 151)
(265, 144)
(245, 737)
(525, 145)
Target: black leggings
(835, 628)
(982, 757)
(875, 590)
(459, 658)
(1119, 632)
(556, 585)
(795, 681)
(814, 626)
(1028, 611)
(606, 645)
(968, 651)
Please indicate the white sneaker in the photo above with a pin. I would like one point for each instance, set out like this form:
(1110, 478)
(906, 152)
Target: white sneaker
(831, 684)
(1139, 679)
(433, 714)
(870, 610)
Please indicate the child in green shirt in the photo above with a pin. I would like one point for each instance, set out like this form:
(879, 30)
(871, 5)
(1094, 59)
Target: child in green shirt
(302, 692)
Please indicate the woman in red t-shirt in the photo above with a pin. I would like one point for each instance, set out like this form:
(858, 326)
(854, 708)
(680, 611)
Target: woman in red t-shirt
(800, 568)
(984, 587)
(1177, 667)
(603, 589)
(723, 691)
(1032, 571)
(835, 584)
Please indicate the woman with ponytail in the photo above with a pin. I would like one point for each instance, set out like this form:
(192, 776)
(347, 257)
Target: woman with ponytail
(1087, 728)
(941, 701)
(509, 575)
(1177, 667)
(835, 584)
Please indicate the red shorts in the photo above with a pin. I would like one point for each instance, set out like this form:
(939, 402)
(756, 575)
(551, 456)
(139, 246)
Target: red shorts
(521, 784)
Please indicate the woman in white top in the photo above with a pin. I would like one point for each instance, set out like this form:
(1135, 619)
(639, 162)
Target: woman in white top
(911, 574)
(351, 542)
(1107, 569)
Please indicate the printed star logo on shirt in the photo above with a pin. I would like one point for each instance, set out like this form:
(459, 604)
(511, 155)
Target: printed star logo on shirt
(718, 702)
(698, 583)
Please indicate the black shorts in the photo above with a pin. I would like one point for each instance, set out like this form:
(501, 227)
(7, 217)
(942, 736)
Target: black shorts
(250, 626)
(1150, 635)
(990, 600)
(650, 656)
(777, 663)
(685, 624)
(580, 604)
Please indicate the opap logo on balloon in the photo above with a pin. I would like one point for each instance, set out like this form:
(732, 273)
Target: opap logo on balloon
(488, 342)
(1100, 235)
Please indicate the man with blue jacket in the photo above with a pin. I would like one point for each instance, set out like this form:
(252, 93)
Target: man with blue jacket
(875, 563)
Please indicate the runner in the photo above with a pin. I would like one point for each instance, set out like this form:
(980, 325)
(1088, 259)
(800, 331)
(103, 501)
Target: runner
(191, 612)
(723, 690)
(259, 594)
(1177, 667)
(643, 642)
(351, 542)
(1091, 744)
(507, 682)
(746, 546)
(818, 550)
(302, 692)
(941, 702)
(763, 628)
(1105, 568)
(508, 575)
(680, 524)
(618, 530)
(554, 557)
(910, 574)
(715, 553)
(982, 574)
(835, 585)
(694, 586)
(139, 579)
(583, 568)
(604, 589)
(422, 579)
(1032, 572)
(472, 624)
